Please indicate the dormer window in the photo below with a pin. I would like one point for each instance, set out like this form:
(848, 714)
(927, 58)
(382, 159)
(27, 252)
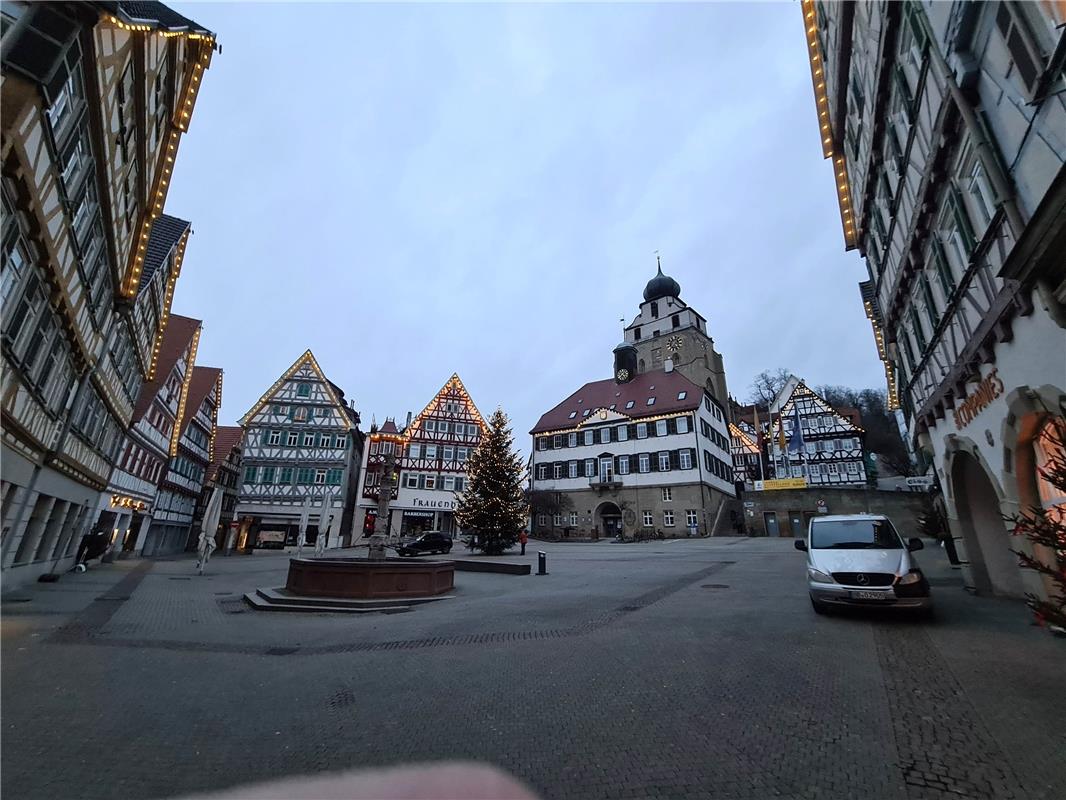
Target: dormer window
(573, 414)
(651, 401)
(682, 395)
(629, 404)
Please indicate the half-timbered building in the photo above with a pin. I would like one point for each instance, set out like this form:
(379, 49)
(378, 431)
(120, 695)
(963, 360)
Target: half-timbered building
(223, 474)
(301, 440)
(745, 451)
(944, 123)
(96, 97)
(127, 503)
(826, 449)
(429, 457)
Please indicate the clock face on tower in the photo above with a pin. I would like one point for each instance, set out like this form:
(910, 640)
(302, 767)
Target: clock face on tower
(674, 343)
(622, 374)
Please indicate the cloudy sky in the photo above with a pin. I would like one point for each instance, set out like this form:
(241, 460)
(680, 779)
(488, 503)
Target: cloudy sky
(416, 190)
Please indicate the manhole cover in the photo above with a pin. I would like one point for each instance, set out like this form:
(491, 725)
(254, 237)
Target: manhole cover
(714, 586)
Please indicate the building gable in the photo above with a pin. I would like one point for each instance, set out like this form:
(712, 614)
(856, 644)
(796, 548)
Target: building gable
(303, 383)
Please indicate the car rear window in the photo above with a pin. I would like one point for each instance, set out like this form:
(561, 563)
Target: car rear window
(854, 534)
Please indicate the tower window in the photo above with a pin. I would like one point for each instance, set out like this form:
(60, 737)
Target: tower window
(636, 333)
(675, 321)
(655, 310)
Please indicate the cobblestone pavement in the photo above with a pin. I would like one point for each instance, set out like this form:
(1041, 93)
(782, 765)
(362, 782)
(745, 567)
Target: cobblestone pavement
(688, 669)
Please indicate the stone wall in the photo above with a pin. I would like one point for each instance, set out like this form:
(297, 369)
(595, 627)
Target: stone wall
(793, 507)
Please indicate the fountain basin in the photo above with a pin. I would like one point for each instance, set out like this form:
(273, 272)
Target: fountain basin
(363, 579)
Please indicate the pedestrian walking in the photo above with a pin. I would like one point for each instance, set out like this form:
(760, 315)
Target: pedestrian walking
(523, 537)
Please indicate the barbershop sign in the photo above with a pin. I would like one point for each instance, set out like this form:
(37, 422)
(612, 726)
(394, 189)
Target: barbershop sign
(420, 502)
(121, 501)
(979, 399)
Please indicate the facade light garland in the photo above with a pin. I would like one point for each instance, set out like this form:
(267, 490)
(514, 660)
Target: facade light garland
(205, 44)
(307, 358)
(882, 353)
(183, 398)
(830, 148)
(168, 297)
(630, 419)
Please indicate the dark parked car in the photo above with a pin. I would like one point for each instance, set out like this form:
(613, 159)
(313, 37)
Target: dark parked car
(431, 542)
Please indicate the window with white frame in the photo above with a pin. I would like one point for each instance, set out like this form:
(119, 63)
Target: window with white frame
(431, 481)
(622, 432)
(834, 469)
(797, 471)
(431, 452)
(542, 472)
(853, 467)
(448, 452)
(644, 462)
(692, 518)
(588, 436)
(623, 465)
(685, 459)
(542, 442)
(668, 519)
(293, 439)
(590, 467)
(814, 470)
(320, 476)
(573, 519)
(412, 480)
(557, 440)
(542, 519)
(571, 439)
(605, 435)
(557, 520)
(664, 461)
(682, 424)
(642, 430)
(668, 494)
(557, 470)
(274, 437)
(309, 440)
(414, 450)
(572, 469)
(649, 519)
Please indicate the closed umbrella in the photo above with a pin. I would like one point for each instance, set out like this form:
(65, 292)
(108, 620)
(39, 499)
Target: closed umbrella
(324, 515)
(208, 527)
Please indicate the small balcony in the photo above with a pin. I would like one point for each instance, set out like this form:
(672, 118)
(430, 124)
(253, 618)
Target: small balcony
(602, 483)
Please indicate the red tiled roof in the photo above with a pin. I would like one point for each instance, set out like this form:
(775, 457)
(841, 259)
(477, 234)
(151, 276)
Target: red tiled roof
(389, 427)
(176, 339)
(663, 386)
(226, 438)
(200, 385)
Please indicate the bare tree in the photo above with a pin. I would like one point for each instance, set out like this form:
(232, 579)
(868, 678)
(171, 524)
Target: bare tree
(766, 385)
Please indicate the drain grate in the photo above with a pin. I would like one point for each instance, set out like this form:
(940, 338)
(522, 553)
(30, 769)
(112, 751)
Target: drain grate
(714, 586)
(180, 579)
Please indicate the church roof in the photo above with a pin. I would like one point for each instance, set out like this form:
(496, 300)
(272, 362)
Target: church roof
(661, 286)
(670, 391)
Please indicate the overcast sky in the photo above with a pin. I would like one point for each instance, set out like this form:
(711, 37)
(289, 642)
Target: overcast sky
(416, 190)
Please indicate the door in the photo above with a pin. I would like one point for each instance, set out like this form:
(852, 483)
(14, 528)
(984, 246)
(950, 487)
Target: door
(606, 470)
(770, 518)
(795, 521)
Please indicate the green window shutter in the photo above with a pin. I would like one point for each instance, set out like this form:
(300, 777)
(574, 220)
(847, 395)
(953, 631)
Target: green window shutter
(943, 270)
(962, 219)
(249, 474)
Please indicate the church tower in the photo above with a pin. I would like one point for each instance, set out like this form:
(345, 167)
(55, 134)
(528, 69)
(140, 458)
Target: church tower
(668, 334)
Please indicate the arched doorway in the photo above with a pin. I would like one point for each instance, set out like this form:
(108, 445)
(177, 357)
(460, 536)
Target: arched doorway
(608, 520)
(988, 543)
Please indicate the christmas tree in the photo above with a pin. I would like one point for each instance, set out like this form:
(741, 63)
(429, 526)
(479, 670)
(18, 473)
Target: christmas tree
(1045, 528)
(492, 506)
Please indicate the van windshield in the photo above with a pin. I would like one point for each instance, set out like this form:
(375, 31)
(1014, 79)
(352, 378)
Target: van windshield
(855, 534)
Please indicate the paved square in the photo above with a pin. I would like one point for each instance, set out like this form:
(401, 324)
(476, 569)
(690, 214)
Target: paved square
(682, 669)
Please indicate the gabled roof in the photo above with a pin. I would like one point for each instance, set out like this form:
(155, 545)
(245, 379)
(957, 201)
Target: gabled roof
(665, 387)
(203, 380)
(455, 385)
(179, 335)
(389, 427)
(335, 393)
(166, 233)
(744, 441)
(849, 416)
(226, 438)
(155, 14)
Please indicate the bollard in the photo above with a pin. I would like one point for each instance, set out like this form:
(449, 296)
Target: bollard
(542, 563)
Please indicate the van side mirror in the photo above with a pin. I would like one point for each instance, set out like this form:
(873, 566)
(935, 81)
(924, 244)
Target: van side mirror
(914, 543)
(800, 544)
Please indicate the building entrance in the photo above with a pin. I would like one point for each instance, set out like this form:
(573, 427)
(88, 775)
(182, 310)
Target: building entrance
(988, 546)
(608, 520)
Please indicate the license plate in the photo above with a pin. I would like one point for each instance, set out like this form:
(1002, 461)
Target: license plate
(869, 595)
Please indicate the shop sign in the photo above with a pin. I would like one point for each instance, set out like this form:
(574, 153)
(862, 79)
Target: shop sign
(979, 399)
(121, 501)
(433, 502)
(418, 514)
(924, 480)
(781, 483)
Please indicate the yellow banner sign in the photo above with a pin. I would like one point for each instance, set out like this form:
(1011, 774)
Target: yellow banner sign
(782, 483)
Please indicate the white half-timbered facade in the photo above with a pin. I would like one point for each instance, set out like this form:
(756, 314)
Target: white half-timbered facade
(301, 441)
(745, 451)
(96, 98)
(430, 456)
(829, 450)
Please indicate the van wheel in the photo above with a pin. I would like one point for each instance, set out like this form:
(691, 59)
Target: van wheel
(819, 607)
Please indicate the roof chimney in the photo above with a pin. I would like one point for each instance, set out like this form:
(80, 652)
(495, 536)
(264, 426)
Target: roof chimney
(408, 425)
